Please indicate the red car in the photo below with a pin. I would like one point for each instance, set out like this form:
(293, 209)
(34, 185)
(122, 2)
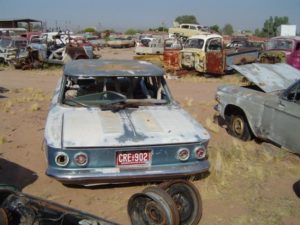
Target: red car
(282, 49)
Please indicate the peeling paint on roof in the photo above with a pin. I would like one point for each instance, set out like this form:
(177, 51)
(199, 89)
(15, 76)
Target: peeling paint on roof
(105, 68)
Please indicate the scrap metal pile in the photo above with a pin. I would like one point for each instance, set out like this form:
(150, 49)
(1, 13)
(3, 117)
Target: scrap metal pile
(176, 202)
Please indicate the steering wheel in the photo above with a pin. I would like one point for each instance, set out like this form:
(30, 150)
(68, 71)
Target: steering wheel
(111, 95)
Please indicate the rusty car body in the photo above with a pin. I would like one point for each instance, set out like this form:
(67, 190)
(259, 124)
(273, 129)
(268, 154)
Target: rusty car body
(172, 48)
(268, 108)
(57, 51)
(115, 121)
(206, 54)
(17, 208)
(12, 47)
(282, 49)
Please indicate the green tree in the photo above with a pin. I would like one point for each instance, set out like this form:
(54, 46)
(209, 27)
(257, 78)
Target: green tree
(271, 26)
(215, 28)
(132, 31)
(89, 30)
(186, 19)
(227, 29)
(257, 32)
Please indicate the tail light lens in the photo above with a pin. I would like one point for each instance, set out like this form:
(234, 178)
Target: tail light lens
(200, 152)
(62, 159)
(81, 159)
(183, 154)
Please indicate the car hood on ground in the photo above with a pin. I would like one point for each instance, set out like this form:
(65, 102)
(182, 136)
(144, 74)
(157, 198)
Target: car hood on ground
(269, 77)
(83, 127)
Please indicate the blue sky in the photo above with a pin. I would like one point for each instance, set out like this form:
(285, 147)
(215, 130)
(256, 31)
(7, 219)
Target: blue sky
(124, 14)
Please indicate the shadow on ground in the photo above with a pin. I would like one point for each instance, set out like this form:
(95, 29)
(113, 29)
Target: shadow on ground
(16, 175)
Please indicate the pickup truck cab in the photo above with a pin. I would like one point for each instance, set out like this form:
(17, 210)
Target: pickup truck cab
(150, 45)
(187, 30)
(206, 54)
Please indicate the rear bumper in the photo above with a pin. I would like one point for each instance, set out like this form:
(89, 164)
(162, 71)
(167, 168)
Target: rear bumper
(117, 175)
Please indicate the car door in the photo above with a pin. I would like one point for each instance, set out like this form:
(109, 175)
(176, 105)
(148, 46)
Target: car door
(171, 54)
(294, 58)
(215, 58)
(283, 116)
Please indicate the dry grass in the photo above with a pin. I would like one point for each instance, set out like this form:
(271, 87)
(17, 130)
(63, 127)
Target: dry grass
(242, 172)
(235, 79)
(3, 140)
(210, 125)
(19, 97)
(34, 107)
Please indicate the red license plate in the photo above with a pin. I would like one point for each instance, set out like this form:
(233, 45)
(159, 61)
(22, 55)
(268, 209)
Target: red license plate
(134, 158)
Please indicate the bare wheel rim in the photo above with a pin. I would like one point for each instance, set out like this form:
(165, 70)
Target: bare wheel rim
(238, 126)
(187, 199)
(155, 213)
(152, 207)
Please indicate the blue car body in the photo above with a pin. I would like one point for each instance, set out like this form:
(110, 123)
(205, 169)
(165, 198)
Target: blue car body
(115, 121)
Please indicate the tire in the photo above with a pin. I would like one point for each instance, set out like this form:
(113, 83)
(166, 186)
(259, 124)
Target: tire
(153, 206)
(296, 188)
(239, 127)
(187, 199)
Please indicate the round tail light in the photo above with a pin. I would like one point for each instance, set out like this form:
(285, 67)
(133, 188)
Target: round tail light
(183, 154)
(200, 152)
(61, 159)
(81, 159)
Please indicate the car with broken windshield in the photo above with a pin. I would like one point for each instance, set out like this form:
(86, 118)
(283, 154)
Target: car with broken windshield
(282, 49)
(115, 121)
(267, 107)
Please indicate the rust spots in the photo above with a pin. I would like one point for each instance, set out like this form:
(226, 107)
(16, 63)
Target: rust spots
(171, 60)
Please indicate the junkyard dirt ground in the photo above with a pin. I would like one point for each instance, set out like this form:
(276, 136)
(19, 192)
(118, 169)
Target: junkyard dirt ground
(248, 183)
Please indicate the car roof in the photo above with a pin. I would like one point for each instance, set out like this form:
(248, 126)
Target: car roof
(205, 36)
(296, 38)
(111, 68)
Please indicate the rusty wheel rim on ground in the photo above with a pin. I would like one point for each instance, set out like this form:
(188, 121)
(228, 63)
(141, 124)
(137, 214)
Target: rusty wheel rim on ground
(187, 199)
(153, 206)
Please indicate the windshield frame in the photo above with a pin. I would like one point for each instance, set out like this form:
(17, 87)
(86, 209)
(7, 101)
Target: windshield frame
(274, 44)
(136, 102)
(199, 45)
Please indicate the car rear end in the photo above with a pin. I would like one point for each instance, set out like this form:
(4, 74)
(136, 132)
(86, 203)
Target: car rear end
(88, 166)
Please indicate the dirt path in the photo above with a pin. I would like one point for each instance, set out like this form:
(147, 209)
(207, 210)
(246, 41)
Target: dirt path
(248, 183)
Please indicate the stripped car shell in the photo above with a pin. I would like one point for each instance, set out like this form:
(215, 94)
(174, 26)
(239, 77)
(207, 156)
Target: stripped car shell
(130, 128)
(268, 109)
(17, 207)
